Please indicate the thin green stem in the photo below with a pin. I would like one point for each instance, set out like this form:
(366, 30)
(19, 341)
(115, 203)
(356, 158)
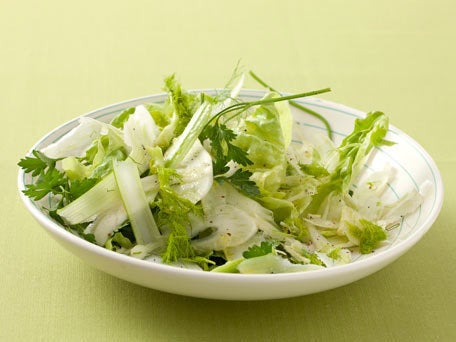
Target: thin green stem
(246, 105)
(296, 104)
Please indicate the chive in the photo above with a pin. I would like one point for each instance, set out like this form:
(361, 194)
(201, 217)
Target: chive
(297, 105)
(243, 106)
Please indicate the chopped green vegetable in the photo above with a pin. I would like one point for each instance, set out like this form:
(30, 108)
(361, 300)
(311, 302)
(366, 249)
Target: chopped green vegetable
(119, 120)
(369, 132)
(118, 241)
(184, 104)
(315, 169)
(335, 253)
(368, 234)
(173, 215)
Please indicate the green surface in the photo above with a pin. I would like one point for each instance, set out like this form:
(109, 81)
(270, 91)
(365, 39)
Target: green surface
(60, 59)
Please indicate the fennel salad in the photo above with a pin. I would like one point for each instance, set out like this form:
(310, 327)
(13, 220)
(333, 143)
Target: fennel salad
(215, 183)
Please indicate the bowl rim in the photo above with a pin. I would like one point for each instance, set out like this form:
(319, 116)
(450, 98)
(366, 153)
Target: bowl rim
(376, 258)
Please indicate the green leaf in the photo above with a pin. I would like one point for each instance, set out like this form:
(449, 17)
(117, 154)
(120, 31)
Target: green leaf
(79, 187)
(368, 132)
(173, 214)
(335, 253)
(118, 240)
(50, 181)
(36, 164)
(120, 119)
(184, 103)
(254, 251)
(368, 234)
(223, 150)
(265, 135)
(314, 259)
(314, 169)
(161, 113)
(241, 181)
(78, 228)
(237, 155)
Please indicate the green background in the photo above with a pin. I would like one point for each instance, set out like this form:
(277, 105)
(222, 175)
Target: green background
(60, 59)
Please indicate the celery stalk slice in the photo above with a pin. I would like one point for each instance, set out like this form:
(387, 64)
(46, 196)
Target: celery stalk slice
(182, 144)
(100, 198)
(135, 202)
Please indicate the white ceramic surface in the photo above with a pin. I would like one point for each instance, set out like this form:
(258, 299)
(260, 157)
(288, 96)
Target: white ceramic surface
(414, 169)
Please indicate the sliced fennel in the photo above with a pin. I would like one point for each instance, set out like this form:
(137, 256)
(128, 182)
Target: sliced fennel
(271, 264)
(234, 219)
(140, 132)
(102, 206)
(232, 227)
(79, 139)
(195, 171)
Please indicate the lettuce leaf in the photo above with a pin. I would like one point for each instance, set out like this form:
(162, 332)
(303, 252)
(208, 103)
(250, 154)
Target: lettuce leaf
(266, 134)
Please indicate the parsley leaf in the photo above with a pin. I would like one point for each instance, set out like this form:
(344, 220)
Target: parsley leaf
(221, 139)
(50, 181)
(224, 150)
(79, 187)
(37, 164)
(79, 228)
(254, 251)
(241, 181)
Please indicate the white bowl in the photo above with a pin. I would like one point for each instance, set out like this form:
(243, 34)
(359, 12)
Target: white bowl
(414, 168)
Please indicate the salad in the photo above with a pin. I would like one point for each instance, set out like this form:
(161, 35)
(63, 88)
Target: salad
(219, 184)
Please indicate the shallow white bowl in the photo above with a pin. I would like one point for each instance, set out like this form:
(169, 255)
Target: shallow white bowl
(414, 169)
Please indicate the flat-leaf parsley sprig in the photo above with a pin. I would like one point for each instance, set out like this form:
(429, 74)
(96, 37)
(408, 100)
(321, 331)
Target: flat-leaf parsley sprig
(49, 180)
